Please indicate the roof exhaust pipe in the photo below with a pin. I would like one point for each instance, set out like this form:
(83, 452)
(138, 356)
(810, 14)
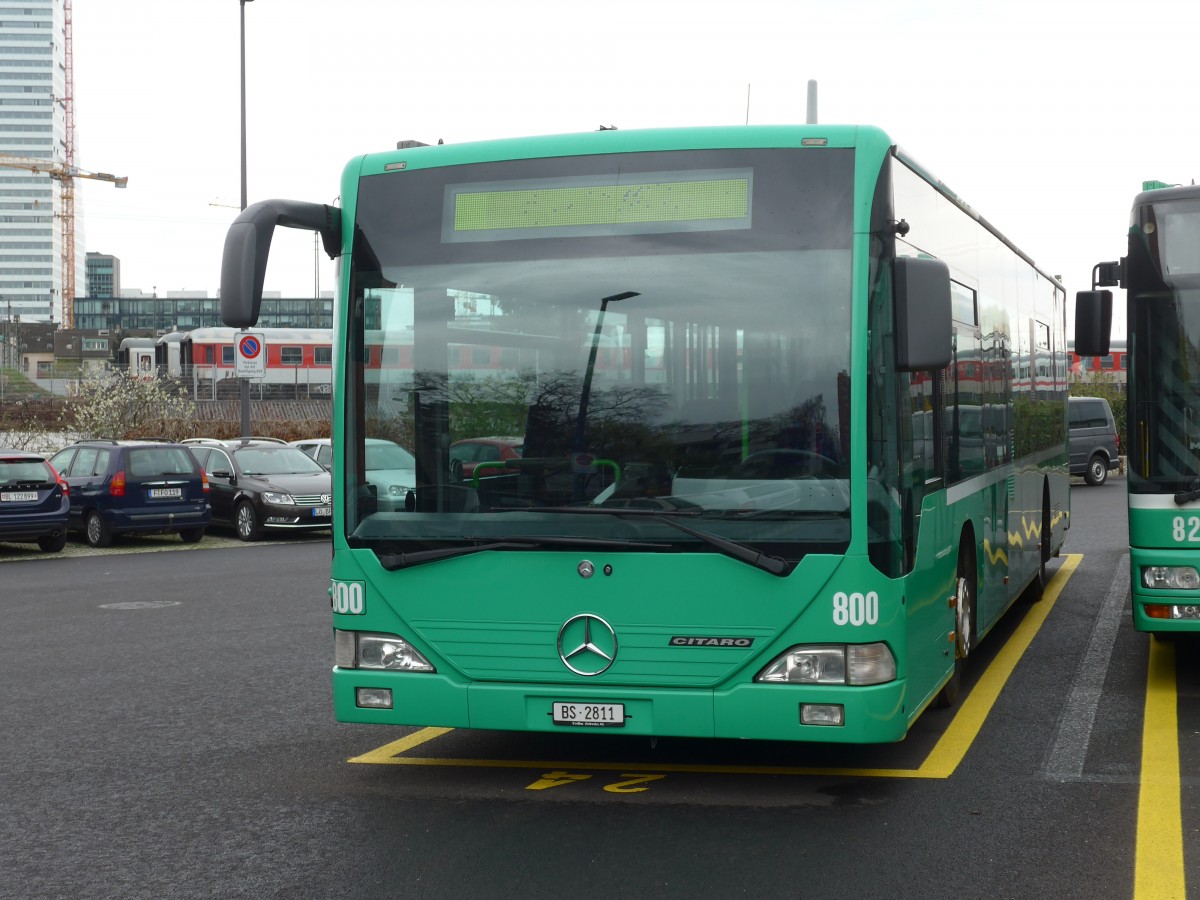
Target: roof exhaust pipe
(811, 116)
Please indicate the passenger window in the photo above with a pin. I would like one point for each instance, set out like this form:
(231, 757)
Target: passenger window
(85, 463)
(218, 462)
(62, 462)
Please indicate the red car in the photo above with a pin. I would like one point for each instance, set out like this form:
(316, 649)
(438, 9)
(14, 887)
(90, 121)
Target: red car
(473, 451)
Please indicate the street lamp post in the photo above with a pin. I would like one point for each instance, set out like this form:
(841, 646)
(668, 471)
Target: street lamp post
(244, 385)
(581, 422)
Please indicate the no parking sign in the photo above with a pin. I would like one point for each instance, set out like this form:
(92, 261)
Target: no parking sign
(250, 358)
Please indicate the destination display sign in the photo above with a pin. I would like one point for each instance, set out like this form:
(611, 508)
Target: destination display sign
(587, 206)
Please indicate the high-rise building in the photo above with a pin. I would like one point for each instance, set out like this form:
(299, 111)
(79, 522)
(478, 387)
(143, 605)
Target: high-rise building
(103, 275)
(32, 124)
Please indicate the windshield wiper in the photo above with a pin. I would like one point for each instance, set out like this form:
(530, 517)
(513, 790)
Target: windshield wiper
(773, 564)
(393, 561)
(1192, 493)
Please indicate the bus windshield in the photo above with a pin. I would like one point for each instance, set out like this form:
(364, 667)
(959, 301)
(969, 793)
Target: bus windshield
(1164, 300)
(663, 332)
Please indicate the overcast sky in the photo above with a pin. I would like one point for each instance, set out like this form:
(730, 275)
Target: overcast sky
(1045, 116)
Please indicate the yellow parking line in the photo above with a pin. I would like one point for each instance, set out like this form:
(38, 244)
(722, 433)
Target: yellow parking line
(963, 730)
(940, 763)
(388, 752)
(1158, 872)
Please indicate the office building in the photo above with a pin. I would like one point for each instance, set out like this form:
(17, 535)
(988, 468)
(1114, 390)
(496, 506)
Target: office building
(103, 276)
(32, 125)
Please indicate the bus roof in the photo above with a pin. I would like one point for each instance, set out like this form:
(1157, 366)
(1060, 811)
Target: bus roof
(616, 141)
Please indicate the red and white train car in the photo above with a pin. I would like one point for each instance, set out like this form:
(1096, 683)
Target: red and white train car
(300, 358)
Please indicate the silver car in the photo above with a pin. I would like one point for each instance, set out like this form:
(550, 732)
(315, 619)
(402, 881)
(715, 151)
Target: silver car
(391, 469)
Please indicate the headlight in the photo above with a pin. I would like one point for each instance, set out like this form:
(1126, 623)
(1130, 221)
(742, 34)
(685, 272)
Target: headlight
(379, 651)
(278, 499)
(856, 664)
(398, 490)
(1170, 578)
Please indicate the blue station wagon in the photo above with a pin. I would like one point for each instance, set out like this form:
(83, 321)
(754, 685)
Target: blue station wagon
(134, 487)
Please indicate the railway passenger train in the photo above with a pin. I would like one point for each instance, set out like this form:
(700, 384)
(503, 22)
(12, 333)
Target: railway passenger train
(298, 359)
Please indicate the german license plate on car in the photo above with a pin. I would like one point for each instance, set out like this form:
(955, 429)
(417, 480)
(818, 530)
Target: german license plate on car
(589, 715)
(319, 511)
(19, 496)
(165, 493)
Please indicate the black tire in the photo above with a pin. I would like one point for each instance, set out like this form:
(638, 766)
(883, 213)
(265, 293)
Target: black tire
(52, 543)
(1097, 471)
(246, 522)
(966, 586)
(1037, 587)
(95, 532)
(191, 535)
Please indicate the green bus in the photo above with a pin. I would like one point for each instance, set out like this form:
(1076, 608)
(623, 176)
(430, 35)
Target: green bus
(1161, 277)
(740, 432)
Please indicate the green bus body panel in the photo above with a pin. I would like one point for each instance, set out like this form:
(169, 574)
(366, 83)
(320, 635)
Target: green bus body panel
(488, 622)
(1161, 533)
(503, 671)
(1152, 543)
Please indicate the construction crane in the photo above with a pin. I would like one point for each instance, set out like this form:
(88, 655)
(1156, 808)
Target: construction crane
(65, 172)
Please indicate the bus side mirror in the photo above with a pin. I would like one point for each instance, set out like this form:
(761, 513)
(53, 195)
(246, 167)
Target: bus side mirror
(924, 328)
(248, 244)
(1093, 322)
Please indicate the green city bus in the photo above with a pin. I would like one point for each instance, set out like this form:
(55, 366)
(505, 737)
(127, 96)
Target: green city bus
(744, 432)
(1161, 278)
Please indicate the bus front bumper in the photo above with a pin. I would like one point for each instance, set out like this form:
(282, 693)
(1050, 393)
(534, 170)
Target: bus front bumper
(874, 714)
(1162, 611)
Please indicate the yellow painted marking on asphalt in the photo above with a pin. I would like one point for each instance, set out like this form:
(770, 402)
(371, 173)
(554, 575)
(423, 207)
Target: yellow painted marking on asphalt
(389, 751)
(941, 762)
(1159, 873)
(953, 744)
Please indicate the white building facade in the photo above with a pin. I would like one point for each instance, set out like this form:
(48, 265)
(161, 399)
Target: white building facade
(33, 125)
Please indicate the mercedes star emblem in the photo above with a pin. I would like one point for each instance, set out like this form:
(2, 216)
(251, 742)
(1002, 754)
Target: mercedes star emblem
(587, 645)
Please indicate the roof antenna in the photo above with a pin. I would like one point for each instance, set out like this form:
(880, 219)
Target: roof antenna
(811, 117)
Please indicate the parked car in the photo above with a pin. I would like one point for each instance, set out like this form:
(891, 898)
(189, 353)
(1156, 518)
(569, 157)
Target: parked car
(133, 487)
(320, 449)
(35, 502)
(391, 469)
(1094, 446)
(473, 451)
(259, 485)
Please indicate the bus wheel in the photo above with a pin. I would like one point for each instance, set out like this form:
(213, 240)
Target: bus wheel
(964, 625)
(1037, 587)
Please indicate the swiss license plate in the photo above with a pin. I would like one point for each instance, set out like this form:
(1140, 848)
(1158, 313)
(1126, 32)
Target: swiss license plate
(319, 511)
(165, 493)
(19, 496)
(589, 715)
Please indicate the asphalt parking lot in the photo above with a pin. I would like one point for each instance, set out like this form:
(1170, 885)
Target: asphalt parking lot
(214, 539)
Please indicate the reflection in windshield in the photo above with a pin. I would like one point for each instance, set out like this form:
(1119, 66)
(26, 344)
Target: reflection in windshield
(670, 370)
(388, 456)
